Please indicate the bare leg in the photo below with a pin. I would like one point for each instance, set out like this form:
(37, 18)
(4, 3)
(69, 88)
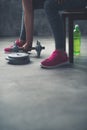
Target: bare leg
(28, 20)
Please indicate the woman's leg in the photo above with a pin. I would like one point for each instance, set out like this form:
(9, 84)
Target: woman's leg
(36, 5)
(28, 21)
(22, 39)
(22, 32)
(52, 9)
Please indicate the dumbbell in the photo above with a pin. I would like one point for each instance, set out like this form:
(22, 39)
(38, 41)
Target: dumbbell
(38, 48)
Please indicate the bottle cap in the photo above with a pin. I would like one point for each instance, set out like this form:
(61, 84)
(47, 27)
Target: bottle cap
(77, 27)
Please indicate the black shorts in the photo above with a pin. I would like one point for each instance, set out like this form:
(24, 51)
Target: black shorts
(38, 4)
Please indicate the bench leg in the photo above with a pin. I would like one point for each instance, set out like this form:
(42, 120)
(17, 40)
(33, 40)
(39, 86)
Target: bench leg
(64, 25)
(70, 30)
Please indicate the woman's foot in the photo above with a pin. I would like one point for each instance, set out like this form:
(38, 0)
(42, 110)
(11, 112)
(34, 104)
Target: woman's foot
(56, 59)
(18, 42)
(27, 47)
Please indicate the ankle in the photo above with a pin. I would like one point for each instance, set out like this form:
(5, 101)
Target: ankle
(29, 44)
(61, 50)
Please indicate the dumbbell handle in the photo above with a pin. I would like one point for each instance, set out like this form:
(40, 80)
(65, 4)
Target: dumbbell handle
(34, 48)
(38, 49)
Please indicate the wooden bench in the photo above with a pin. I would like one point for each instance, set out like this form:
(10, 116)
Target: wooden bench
(71, 16)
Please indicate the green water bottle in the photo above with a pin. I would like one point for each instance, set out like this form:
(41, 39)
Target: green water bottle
(77, 40)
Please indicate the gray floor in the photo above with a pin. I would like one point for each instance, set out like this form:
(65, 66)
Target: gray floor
(32, 98)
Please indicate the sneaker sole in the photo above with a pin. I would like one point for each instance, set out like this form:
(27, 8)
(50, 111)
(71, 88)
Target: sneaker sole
(51, 67)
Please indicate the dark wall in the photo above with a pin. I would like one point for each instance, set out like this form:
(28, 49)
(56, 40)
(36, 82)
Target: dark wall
(10, 20)
(10, 17)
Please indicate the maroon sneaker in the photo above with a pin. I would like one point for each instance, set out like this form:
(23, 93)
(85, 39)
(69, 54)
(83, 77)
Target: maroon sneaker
(56, 59)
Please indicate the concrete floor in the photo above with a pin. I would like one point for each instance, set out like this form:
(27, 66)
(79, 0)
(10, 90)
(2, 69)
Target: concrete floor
(32, 98)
